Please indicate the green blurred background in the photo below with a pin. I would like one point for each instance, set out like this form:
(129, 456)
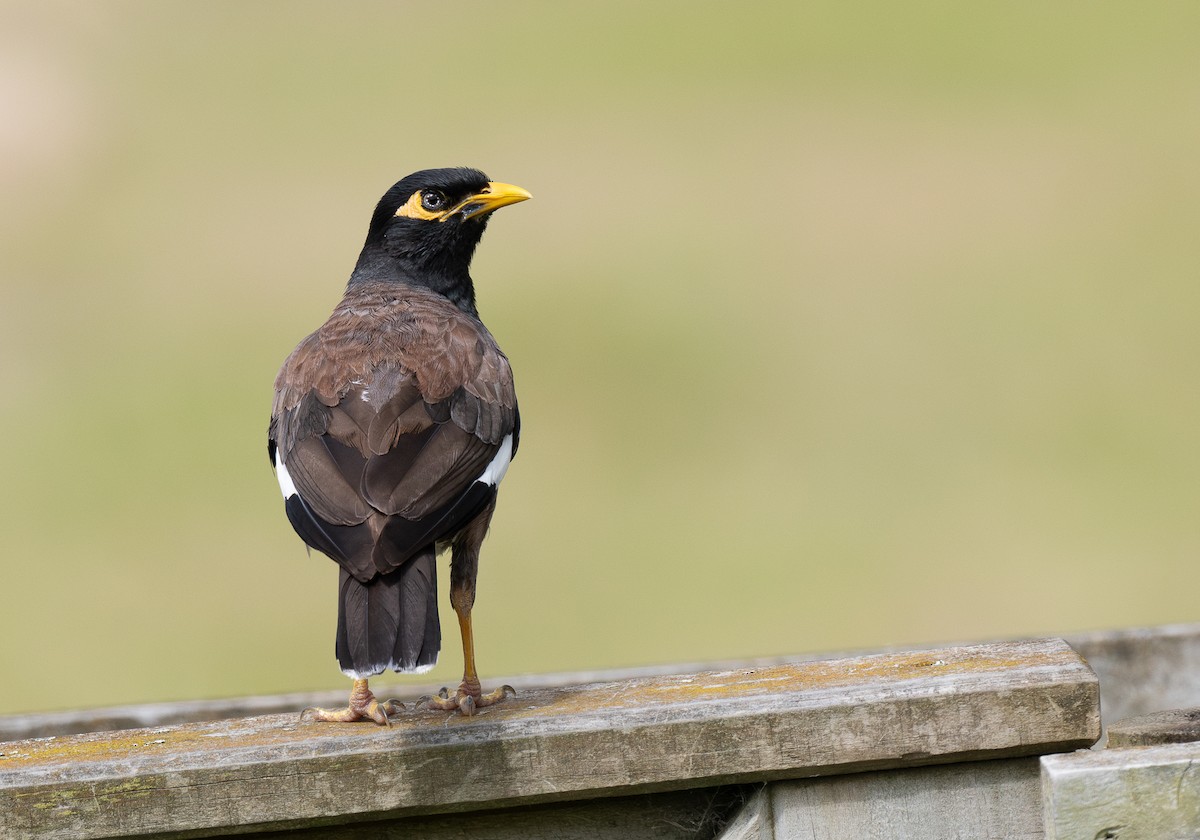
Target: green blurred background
(835, 325)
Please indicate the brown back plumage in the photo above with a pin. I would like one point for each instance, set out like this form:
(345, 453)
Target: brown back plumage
(393, 407)
(384, 418)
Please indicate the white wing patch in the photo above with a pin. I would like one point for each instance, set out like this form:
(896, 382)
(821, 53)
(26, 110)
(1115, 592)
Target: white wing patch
(499, 465)
(285, 480)
(492, 475)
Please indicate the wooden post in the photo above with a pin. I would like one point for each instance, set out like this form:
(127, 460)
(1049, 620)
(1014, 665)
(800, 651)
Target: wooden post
(981, 800)
(1114, 794)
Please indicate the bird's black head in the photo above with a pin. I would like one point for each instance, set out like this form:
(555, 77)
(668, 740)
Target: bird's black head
(425, 229)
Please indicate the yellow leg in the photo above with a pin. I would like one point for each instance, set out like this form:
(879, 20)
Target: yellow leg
(463, 567)
(469, 696)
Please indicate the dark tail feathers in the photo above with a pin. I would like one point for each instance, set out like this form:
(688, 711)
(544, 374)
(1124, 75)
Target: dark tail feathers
(391, 622)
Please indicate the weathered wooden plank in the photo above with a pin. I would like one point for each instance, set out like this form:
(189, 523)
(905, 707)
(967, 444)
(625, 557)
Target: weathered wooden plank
(1175, 726)
(1144, 669)
(1133, 793)
(617, 738)
(1141, 670)
(146, 715)
(981, 800)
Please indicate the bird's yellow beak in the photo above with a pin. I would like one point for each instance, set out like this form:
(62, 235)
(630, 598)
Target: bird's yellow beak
(492, 197)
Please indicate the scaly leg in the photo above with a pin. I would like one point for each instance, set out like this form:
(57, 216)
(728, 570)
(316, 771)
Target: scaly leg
(463, 568)
(362, 706)
(469, 696)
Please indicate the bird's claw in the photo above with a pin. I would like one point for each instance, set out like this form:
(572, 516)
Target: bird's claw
(465, 702)
(362, 706)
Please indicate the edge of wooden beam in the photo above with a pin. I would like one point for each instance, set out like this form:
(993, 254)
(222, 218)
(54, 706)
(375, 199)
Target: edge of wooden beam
(602, 739)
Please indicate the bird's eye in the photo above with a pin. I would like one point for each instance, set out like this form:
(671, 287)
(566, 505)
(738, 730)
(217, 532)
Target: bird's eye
(432, 200)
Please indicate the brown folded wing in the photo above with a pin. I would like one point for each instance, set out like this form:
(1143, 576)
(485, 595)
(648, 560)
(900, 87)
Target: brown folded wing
(392, 409)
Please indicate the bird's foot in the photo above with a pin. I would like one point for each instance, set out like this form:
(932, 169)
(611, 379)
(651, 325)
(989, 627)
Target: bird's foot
(362, 706)
(467, 699)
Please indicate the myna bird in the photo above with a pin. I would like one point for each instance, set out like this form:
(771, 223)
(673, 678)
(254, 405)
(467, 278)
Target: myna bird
(392, 427)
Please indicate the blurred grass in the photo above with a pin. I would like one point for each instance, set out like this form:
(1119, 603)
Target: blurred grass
(834, 325)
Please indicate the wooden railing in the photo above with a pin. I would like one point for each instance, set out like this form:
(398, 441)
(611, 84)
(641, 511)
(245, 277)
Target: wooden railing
(964, 741)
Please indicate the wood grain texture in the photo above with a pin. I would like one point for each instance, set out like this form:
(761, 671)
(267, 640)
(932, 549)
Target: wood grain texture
(982, 800)
(1133, 793)
(1144, 669)
(1175, 726)
(575, 742)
